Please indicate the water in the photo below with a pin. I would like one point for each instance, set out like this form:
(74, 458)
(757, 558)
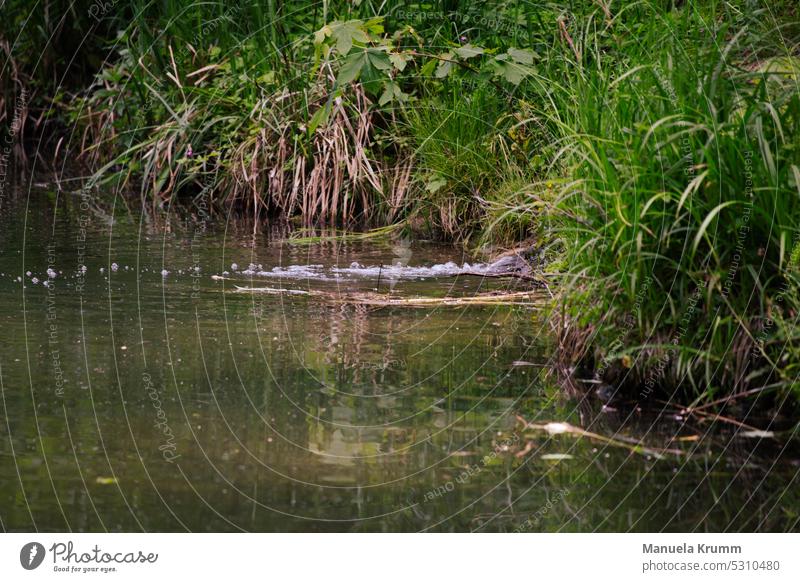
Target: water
(144, 394)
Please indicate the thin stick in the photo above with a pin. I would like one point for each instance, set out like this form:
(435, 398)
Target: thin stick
(525, 298)
(555, 428)
(727, 399)
(706, 415)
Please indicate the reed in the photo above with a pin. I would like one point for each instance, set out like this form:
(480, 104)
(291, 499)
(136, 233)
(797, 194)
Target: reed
(679, 212)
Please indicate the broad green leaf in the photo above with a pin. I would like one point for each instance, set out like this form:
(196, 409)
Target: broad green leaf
(322, 34)
(428, 68)
(387, 95)
(375, 25)
(445, 66)
(372, 76)
(435, 183)
(513, 72)
(522, 56)
(468, 51)
(344, 42)
(399, 61)
(346, 33)
(392, 92)
(351, 68)
(379, 60)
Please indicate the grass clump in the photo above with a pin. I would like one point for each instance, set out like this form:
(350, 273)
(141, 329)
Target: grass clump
(683, 212)
(465, 161)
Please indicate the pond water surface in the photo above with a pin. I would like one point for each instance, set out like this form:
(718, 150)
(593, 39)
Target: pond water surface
(140, 392)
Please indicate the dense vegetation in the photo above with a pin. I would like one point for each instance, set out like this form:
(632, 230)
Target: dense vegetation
(652, 149)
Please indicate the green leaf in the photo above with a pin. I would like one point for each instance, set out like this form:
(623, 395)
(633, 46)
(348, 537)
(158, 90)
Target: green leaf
(707, 221)
(322, 34)
(428, 68)
(435, 183)
(320, 117)
(351, 68)
(392, 92)
(347, 33)
(379, 60)
(399, 61)
(445, 66)
(344, 42)
(522, 56)
(387, 95)
(372, 76)
(511, 72)
(375, 25)
(468, 51)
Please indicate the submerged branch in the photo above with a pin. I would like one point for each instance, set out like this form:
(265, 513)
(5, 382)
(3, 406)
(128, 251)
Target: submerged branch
(554, 428)
(530, 299)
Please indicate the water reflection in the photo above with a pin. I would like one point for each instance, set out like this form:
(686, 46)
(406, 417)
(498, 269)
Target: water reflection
(142, 394)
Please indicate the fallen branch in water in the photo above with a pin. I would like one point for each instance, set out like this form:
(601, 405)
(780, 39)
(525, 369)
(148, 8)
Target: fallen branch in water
(554, 428)
(521, 298)
(525, 298)
(714, 417)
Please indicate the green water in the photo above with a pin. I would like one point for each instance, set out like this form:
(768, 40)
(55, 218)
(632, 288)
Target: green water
(134, 401)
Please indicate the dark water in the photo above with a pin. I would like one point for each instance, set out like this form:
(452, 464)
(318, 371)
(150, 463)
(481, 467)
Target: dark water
(135, 400)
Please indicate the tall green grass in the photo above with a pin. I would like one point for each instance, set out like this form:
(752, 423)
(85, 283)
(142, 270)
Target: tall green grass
(464, 157)
(680, 207)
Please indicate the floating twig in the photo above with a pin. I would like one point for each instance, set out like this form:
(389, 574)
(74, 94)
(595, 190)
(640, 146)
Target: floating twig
(554, 428)
(530, 299)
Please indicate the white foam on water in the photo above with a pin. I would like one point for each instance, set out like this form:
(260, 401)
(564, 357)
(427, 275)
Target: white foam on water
(290, 272)
(403, 272)
(356, 270)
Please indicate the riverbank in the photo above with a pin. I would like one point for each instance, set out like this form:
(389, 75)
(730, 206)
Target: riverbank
(651, 150)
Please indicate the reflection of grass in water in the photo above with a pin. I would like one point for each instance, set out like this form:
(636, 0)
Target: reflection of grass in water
(529, 299)
(297, 238)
